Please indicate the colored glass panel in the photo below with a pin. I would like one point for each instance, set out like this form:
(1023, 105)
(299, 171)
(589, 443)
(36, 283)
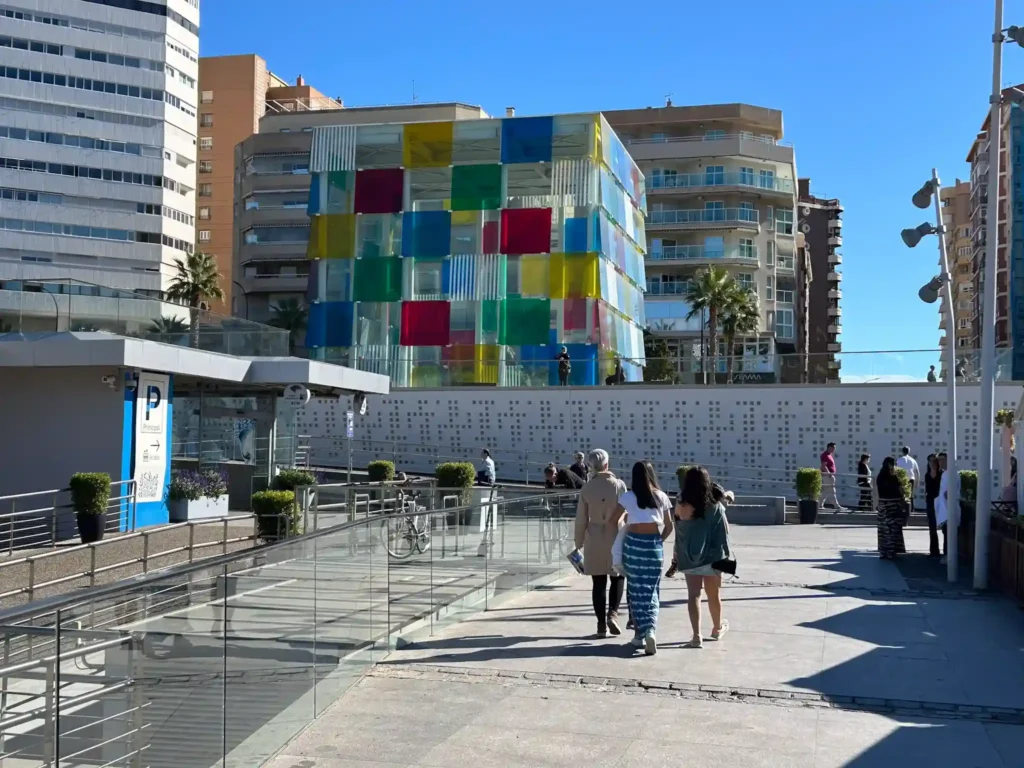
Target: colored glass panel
(340, 236)
(340, 192)
(379, 190)
(425, 323)
(576, 230)
(526, 139)
(476, 187)
(534, 276)
(378, 234)
(574, 275)
(525, 230)
(490, 321)
(427, 145)
(426, 234)
(525, 321)
(316, 246)
(330, 324)
(315, 194)
(378, 280)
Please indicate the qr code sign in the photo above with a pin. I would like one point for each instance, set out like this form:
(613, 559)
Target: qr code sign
(148, 485)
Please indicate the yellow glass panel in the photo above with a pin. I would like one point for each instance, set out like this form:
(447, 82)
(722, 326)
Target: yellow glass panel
(465, 218)
(316, 248)
(340, 240)
(575, 276)
(595, 151)
(427, 145)
(485, 369)
(535, 276)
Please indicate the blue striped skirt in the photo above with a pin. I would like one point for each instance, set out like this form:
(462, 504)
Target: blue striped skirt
(642, 558)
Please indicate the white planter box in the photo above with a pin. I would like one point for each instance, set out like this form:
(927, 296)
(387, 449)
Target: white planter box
(182, 510)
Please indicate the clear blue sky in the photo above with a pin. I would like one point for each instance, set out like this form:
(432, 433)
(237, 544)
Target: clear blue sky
(873, 92)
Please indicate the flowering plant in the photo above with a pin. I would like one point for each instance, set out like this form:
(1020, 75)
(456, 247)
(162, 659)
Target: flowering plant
(192, 484)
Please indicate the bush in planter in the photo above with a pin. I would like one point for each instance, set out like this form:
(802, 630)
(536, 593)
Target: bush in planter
(193, 485)
(968, 485)
(808, 490)
(381, 471)
(290, 479)
(277, 516)
(456, 474)
(904, 481)
(90, 494)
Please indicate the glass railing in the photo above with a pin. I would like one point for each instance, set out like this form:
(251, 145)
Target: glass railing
(221, 663)
(689, 252)
(723, 179)
(668, 289)
(46, 306)
(703, 216)
(769, 140)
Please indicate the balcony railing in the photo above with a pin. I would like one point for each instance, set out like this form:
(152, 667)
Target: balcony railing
(705, 216)
(702, 252)
(667, 289)
(730, 179)
(769, 140)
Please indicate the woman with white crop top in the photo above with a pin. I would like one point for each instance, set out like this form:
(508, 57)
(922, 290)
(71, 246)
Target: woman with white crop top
(648, 523)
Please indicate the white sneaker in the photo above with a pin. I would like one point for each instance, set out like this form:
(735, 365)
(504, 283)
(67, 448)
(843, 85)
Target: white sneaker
(650, 645)
(637, 641)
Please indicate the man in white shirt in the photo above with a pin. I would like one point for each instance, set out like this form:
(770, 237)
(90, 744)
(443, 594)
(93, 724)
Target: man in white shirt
(942, 503)
(486, 476)
(909, 463)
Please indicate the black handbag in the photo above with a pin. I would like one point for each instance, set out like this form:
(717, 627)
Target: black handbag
(725, 566)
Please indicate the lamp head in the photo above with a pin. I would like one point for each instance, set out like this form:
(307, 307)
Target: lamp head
(1016, 34)
(923, 197)
(929, 292)
(911, 237)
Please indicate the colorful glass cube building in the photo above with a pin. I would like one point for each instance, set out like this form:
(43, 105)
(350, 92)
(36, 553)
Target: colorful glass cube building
(470, 252)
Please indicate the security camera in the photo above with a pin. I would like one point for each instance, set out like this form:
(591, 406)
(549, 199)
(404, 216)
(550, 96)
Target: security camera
(110, 381)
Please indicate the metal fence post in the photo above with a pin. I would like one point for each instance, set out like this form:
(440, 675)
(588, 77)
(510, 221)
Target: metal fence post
(92, 566)
(145, 551)
(53, 523)
(191, 541)
(14, 509)
(224, 545)
(51, 698)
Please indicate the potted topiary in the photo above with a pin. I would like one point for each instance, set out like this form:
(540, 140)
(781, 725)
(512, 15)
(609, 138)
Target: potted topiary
(808, 490)
(968, 494)
(197, 494)
(90, 493)
(277, 516)
(904, 480)
(290, 479)
(380, 471)
(459, 476)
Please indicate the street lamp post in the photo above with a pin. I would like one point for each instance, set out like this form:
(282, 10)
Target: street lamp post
(929, 293)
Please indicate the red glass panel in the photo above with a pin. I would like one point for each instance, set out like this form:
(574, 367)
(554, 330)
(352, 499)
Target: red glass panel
(379, 190)
(425, 323)
(525, 230)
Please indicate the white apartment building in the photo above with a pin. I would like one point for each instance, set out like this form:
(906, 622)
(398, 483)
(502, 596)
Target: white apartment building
(721, 191)
(97, 142)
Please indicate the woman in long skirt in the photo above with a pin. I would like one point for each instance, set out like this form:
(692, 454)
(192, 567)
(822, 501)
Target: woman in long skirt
(891, 511)
(648, 524)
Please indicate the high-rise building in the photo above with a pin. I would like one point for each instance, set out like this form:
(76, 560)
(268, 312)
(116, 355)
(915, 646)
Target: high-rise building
(97, 141)
(722, 189)
(956, 217)
(272, 192)
(474, 251)
(821, 224)
(234, 93)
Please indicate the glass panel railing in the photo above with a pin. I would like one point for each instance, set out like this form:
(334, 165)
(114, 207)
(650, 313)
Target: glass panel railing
(722, 179)
(703, 216)
(695, 252)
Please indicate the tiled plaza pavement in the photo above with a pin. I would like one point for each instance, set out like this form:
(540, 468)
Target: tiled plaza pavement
(832, 661)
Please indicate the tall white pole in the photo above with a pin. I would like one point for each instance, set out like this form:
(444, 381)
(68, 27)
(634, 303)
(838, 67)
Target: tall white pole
(953, 483)
(990, 268)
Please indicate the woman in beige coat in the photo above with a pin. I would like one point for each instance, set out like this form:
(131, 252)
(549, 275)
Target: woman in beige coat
(597, 523)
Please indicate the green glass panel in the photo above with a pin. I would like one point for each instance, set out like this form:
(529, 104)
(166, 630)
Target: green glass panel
(525, 321)
(490, 326)
(378, 280)
(476, 187)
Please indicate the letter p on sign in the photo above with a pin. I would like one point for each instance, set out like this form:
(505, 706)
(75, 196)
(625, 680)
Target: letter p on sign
(153, 398)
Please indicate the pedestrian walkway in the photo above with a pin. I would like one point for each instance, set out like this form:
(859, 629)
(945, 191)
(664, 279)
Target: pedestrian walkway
(833, 660)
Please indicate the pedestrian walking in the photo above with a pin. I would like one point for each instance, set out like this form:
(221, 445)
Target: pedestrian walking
(579, 465)
(942, 503)
(864, 482)
(486, 474)
(597, 522)
(828, 477)
(564, 367)
(932, 378)
(891, 511)
(702, 543)
(648, 514)
(720, 496)
(932, 483)
(909, 463)
(561, 478)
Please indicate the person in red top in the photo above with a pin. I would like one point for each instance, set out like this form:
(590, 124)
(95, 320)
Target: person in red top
(828, 477)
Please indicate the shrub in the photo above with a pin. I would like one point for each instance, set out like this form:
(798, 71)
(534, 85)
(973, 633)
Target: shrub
(1004, 417)
(277, 516)
(290, 479)
(381, 471)
(456, 474)
(90, 492)
(681, 471)
(192, 485)
(968, 485)
(904, 480)
(808, 483)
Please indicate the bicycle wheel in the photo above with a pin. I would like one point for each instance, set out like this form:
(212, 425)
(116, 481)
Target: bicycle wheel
(396, 538)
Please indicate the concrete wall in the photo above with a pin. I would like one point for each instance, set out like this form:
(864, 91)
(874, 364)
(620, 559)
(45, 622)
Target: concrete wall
(57, 421)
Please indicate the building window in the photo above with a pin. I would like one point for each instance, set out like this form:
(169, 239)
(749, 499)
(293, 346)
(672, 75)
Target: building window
(252, 204)
(204, 213)
(784, 220)
(204, 235)
(206, 120)
(747, 250)
(766, 179)
(206, 166)
(714, 175)
(206, 142)
(206, 190)
(747, 176)
(714, 135)
(769, 287)
(771, 253)
(784, 325)
(745, 280)
(206, 97)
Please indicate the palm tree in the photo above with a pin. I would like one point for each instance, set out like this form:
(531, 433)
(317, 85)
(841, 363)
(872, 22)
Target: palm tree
(740, 317)
(170, 330)
(711, 292)
(196, 282)
(290, 315)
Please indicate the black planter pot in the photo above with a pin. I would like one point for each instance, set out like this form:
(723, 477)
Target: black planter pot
(808, 511)
(91, 527)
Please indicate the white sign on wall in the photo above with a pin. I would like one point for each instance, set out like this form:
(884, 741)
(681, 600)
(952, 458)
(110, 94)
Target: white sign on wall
(151, 436)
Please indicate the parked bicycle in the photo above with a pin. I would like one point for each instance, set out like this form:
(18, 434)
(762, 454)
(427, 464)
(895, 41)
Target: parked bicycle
(409, 534)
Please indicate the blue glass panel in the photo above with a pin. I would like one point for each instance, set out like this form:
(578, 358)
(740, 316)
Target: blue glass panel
(330, 324)
(313, 206)
(426, 234)
(526, 139)
(576, 235)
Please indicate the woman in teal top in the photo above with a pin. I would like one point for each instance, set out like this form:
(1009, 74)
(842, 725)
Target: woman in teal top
(702, 539)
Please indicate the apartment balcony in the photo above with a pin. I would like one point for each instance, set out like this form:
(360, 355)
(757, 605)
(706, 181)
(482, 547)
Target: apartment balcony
(834, 277)
(279, 216)
(725, 182)
(835, 224)
(722, 145)
(785, 265)
(675, 290)
(704, 219)
(835, 258)
(670, 315)
(690, 254)
(835, 329)
(835, 240)
(834, 346)
(281, 283)
(835, 293)
(835, 312)
(835, 364)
